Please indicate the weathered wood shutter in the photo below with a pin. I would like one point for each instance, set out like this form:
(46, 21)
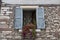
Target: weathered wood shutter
(18, 18)
(40, 18)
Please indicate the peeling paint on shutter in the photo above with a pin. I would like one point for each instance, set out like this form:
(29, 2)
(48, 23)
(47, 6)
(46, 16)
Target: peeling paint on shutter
(40, 18)
(18, 18)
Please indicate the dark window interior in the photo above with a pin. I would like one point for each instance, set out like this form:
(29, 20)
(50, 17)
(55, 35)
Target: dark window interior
(29, 16)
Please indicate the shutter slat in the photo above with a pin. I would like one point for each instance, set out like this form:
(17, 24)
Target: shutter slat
(18, 13)
(40, 18)
(18, 23)
(40, 12)
(18, 18)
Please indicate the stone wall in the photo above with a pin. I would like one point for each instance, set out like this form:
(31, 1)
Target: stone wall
(52, 24)
(51, 32)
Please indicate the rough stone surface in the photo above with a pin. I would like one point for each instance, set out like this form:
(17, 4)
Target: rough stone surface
(51, 32)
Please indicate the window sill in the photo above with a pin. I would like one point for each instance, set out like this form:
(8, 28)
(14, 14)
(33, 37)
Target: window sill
(37, 30)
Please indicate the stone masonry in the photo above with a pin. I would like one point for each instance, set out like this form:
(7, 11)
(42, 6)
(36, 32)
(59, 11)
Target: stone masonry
(51, 31)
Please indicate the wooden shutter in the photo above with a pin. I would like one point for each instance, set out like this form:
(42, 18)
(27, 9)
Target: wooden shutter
(18, 18)
(40, 18)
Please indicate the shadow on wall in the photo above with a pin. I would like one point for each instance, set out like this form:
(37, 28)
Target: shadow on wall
(0, 5)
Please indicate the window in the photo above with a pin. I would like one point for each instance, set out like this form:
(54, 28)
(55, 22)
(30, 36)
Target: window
(36, 16)
(29, 16)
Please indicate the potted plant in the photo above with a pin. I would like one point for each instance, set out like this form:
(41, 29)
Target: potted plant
(29, 28)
